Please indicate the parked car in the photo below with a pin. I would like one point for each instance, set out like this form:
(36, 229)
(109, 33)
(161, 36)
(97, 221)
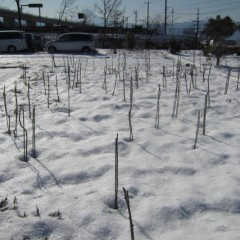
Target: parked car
(29, 39)
(72, 42)
(34, 42)
(12, 41)
(38, 42)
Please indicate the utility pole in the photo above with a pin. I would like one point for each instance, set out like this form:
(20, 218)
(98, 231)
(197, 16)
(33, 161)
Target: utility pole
(126, 22)
(136, 16)
(165, 22)
(147, 13)
(172, 19)
(19, 8)
(123, 22)
(196, 38)
(197, 28)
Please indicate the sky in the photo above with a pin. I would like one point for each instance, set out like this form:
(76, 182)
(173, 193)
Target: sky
(178, 11)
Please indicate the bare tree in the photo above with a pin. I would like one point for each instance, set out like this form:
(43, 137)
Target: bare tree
(88, 16)
(156, 22)
(117, 17)
(107, 10)
(154, 26)
(66, 8)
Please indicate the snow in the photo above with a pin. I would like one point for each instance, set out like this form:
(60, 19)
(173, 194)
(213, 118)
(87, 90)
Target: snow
(67, 192)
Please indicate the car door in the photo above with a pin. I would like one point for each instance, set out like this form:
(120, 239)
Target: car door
(76, 42)
(63, 43)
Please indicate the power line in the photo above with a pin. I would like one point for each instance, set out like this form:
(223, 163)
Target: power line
(213, 6)
(194, 4)
(207, 13)
(222, 10)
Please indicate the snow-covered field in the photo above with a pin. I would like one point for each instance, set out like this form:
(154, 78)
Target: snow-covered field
(176, 192)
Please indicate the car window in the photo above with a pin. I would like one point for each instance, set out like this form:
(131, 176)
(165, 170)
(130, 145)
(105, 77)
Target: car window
(10, 35)
(65, 38)
(87, 37)
(29, 36)
(84, 37)
(76, 37)
(80, 37)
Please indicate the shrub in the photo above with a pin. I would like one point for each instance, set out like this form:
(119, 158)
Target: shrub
(174, 46)
(130, 40)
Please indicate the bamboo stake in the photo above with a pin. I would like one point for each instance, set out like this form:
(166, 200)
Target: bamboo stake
(116, 172)
(197, 130)
(129, 213)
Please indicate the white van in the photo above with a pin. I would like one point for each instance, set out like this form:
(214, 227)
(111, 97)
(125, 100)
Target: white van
(72, 42)
(12, 41)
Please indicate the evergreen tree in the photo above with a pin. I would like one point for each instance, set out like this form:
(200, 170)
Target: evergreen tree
(216, 31)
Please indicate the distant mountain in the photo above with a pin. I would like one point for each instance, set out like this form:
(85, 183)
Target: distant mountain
(235, 36)
(192, 24)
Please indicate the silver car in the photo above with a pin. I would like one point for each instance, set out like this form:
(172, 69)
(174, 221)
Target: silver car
(72, 42)
(12, 41)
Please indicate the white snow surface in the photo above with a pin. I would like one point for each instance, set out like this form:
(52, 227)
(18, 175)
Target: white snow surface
(175, 191)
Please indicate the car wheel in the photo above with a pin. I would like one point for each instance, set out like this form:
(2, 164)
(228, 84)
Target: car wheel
(52, 49)
(86, 50)
(11, 49)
